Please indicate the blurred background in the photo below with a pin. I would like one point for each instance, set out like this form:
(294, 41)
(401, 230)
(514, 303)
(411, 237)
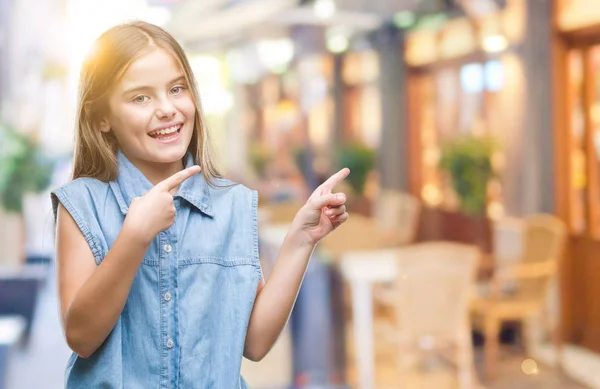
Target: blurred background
(472, 129)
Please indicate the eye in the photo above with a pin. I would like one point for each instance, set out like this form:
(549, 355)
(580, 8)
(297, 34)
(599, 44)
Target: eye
(141, 99)
(177, 89)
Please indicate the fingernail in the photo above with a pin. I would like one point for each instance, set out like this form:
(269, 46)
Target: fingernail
(340, 197)
(329, 212)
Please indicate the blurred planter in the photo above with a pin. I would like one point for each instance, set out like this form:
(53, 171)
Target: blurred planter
(360, 159)
(468, 163)
(361, 205)
(442, 224)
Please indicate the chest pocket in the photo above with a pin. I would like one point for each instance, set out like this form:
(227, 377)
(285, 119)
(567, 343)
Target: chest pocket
(228, 239)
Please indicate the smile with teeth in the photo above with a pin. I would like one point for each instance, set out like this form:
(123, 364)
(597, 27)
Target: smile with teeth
(165, 131)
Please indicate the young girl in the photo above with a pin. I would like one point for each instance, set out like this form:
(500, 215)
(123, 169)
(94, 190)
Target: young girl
(159, 277)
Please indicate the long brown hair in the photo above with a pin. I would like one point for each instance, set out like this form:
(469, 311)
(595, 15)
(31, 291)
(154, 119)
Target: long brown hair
(113, 52)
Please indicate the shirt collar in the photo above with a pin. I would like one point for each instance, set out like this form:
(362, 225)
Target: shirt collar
(132, 183)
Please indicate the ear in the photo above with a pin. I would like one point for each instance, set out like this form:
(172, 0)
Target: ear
(104, 125)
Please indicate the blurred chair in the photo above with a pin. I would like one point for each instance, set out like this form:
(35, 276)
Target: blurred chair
(530, 278)
(394, 223)
(277, 213)
(397, 217)
(431, 298)
(507, 240)
(507, 237)
(397, 213)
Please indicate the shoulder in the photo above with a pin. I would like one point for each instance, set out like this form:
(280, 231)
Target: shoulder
(83, 184)
(224, 192)
(85, 200)
(222, 187)
(79, 193)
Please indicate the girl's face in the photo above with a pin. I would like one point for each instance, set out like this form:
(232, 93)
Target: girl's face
(152, 112)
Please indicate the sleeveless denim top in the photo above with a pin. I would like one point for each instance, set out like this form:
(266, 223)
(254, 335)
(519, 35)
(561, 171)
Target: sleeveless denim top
(185, 319)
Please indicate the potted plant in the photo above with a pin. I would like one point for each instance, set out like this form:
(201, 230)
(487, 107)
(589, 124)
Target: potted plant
(467, 161)
(23, 169)
(360, 159)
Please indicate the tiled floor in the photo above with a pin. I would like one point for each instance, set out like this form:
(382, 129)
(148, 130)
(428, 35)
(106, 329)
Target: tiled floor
(41, 364)
(510, 375)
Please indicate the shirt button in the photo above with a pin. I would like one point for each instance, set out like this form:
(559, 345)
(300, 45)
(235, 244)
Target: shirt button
(168, 296)
(170, 343)
(168, 248)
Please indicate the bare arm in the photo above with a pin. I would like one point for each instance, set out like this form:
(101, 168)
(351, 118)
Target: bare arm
(322, 213)
(275, 299)
(92, 297)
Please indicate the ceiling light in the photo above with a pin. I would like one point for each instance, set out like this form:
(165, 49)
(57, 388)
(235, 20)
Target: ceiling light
(324, 9)
(495, 43)
(276, 54)
(337, 44)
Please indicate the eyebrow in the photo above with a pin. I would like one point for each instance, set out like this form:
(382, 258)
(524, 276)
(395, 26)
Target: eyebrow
(143, 88)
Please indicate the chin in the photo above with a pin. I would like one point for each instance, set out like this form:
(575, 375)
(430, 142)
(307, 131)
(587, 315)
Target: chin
(170, 156)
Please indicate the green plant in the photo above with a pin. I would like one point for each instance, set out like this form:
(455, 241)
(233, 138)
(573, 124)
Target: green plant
(360, 159)
(259, 158)
(23, 169)
(468, 163)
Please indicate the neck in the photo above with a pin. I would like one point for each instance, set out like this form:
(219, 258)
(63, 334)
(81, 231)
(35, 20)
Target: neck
(157, 172)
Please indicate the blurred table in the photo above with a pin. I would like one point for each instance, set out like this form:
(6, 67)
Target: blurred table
(365, 256)
(362, 269)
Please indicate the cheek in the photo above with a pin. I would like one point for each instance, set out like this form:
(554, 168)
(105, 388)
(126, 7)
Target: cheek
(134, 118)
(186, 107)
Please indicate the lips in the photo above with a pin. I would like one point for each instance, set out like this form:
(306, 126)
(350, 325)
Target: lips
(166, 131)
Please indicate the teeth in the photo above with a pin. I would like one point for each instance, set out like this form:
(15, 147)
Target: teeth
(165, 131)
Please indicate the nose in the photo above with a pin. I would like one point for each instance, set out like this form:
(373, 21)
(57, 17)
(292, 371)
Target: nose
(165, 109)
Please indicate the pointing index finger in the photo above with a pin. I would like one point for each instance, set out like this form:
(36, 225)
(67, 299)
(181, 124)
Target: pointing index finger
(177, 178)
(335, 179)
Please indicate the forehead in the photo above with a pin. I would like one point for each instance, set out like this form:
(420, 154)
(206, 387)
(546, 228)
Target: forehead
(155, 67)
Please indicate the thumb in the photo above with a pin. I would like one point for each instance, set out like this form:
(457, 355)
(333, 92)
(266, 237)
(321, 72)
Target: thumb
(329, 199)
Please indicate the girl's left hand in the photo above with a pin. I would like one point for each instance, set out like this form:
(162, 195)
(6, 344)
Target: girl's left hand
(323, 212)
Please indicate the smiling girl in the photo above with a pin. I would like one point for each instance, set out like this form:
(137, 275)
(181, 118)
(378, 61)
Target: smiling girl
(160, 282)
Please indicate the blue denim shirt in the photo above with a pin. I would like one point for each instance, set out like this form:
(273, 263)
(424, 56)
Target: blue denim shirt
(185, 319)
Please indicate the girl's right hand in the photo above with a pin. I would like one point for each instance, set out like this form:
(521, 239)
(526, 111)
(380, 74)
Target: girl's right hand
(155, 212)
